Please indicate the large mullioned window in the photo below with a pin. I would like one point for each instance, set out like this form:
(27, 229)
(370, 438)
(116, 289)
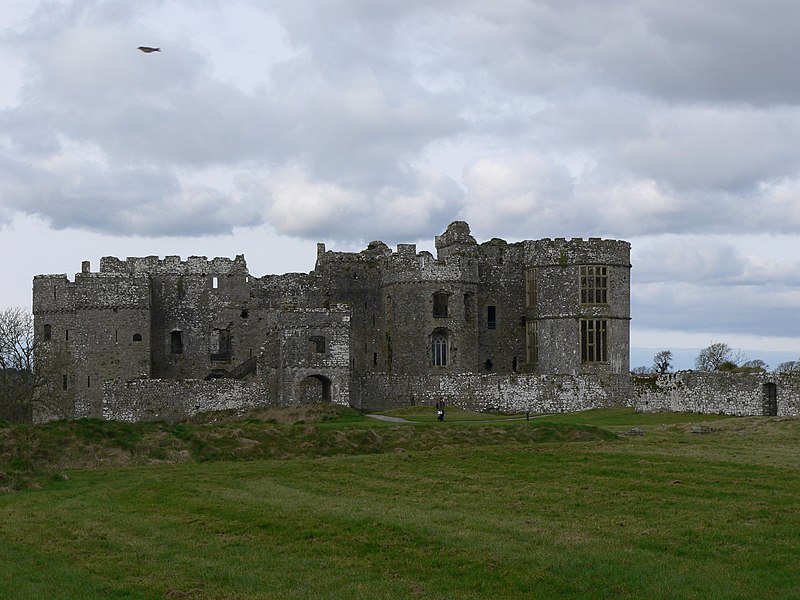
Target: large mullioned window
(594, 284)
(594, 340)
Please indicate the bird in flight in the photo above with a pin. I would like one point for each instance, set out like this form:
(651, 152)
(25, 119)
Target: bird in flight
(149, 49)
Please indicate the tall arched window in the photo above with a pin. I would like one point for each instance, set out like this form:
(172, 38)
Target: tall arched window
(439, 349)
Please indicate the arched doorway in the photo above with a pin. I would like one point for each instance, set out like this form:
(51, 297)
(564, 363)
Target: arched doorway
(314, 388)
(770, 391)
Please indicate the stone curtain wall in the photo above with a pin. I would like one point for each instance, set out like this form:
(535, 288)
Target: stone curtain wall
(165, 400)
(506, 393)
(741, 394)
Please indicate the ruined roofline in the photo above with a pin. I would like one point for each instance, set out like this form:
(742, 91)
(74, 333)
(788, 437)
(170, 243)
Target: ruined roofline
(198, 265)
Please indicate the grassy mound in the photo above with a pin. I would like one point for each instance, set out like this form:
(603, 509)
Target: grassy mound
(30, 455)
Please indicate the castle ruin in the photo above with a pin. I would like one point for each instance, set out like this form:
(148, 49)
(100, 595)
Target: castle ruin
(532, 325)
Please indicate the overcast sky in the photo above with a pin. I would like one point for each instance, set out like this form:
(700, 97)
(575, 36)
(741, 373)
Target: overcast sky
(264, 127)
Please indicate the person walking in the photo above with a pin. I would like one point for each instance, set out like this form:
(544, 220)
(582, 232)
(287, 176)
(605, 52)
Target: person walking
(440, 409)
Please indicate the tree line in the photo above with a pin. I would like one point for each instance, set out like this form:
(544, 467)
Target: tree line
(718, 356)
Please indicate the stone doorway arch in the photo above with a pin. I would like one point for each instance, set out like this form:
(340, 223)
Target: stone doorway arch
(314, 388)
(770, 391)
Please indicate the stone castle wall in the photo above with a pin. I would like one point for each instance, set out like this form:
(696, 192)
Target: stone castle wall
(165, 400)
(543, 394)
(740, 394)
(378, 314)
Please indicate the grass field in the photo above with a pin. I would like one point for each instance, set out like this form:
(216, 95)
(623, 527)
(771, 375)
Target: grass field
(348, 507)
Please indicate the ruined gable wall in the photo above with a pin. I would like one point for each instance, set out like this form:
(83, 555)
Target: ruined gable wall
(354, 279)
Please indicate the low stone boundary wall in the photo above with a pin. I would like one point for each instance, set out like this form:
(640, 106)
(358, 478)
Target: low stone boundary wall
(506, 393)
(741, 394)
(175, 400)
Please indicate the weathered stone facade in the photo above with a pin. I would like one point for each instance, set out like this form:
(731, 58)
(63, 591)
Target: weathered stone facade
(715, 392)
(544, 322)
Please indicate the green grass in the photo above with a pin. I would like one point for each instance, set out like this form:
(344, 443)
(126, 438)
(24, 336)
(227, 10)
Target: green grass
(483, 511)
(427, 414)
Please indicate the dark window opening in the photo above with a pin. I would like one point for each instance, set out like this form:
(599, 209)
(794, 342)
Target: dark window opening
(531, 296)
(88, 381)
(316, 344)
(594, 340)
(64, 382)
(47, 333)
(137, 337)
(176, 342)
(514, 364)
(440, 300)
(491, 317)
(439, 349)
(488, 364)
(245, 314)
(221, 344)
(374, 359)
(532, 329)
(66, 335)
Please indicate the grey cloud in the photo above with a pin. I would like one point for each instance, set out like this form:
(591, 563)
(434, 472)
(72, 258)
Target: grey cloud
(715, 309)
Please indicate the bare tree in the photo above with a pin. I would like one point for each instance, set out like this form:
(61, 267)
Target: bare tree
(756, 364)
(788, 366)
(30, 372)
(662, 362)
(717, 355)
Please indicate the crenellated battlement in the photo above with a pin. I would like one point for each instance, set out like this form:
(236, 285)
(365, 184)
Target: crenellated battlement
(465, 310)
(173, 265)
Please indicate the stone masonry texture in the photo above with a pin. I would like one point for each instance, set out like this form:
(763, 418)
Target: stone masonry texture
(540, 325)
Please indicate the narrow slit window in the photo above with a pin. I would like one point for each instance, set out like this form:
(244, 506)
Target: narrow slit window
(491, 317)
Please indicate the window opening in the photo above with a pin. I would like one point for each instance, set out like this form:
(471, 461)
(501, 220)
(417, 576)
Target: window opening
(88, 381)
(469, 312)
(137, 337)
(532, 331)
(594, 285)
(488, 364)
(245, 314)
(214, 282)
(47, 333)
(176, 342)
(530, 288)
(593, 340)
(316, 344)
(491, 317)
(220, 344)
(66, 335)
(439, 349)
(440, 300)
(64, 382)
